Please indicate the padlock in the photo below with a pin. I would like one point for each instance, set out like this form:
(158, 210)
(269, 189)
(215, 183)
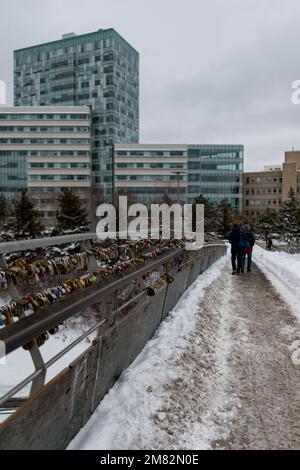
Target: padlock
(28, 346)
(53, 331)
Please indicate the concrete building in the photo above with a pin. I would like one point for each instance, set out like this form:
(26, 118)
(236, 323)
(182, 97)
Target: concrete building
(268, 188)
(272, 168)
(149, 171)
(99, 69)
(45, 149)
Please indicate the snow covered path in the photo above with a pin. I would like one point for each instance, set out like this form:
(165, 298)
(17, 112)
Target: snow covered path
(218, 374)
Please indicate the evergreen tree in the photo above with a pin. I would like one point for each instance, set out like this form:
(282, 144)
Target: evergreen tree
(289, 218)
(25, 219)
(165, 199)
(267, 222)
(4, 208)
(210, 214)
(70, 216)
(224, 221)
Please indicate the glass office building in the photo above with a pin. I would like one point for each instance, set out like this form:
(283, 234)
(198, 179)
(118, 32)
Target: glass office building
(183, 172)
(216, 172)
(98, 69)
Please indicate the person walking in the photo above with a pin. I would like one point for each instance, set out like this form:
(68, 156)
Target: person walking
(247, 242)
(234, 240)
(269, 242)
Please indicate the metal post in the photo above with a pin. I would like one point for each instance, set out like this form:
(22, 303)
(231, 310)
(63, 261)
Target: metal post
(35, 353)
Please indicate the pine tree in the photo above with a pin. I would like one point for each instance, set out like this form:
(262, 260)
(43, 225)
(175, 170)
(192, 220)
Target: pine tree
(165, 199)
(289, 218)
(267, 222)
(224, 221)
(210, 214)
(25, 219)
(4, 208)
(70, 216)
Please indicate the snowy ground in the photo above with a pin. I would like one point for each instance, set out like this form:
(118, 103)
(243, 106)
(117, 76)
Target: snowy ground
(218, 374)
(18, 365)
(283, 270)
(140, 392)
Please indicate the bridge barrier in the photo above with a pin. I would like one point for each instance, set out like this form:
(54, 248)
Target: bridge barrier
(52, 417)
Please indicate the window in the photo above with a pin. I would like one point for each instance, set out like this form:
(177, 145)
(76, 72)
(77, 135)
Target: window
(194, 165)
(193, 177)
(84, 60)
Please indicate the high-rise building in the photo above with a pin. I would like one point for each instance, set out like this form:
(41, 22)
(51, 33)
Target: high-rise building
(183, 172)
(99, 69)
(45, 149)
(268, 188)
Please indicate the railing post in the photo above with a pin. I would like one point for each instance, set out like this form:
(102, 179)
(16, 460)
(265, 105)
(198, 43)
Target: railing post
(35, 352)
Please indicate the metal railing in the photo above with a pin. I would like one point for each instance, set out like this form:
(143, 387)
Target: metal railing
(33, 244)
(118, 340)
(28, 328)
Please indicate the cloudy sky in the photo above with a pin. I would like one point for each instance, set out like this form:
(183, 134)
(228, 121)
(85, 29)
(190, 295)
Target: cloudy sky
(212, 71)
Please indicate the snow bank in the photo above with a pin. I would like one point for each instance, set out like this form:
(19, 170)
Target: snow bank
(124, 415)
(283, 270)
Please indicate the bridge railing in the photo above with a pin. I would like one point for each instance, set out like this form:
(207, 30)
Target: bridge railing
(28, 328)
(121, 330)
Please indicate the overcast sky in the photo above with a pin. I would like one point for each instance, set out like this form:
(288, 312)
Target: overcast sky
(211, 71)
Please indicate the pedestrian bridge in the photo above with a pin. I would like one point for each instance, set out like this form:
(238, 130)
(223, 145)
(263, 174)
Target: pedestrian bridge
(125, 303)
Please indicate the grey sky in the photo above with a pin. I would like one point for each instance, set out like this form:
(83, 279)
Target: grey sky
(212, 71)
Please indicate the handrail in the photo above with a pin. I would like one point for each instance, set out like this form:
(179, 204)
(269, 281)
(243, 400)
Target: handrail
(28, 328)
(32, 244)
(49, 363)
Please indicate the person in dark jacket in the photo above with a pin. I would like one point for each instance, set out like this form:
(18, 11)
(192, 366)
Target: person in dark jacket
(269, 242)
(247, 242)
(234, 240)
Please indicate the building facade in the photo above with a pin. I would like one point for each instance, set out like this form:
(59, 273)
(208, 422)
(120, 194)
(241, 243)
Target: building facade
(262, 190)
(45, 149)
(268, 188)
(148, 172)
(216, 172)
(183, 172)
(98, 69)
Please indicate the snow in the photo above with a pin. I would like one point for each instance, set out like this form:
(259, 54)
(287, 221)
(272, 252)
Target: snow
(222, 403)
(18, 364)
(283, 271)
(4, 298)
(124, 415)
